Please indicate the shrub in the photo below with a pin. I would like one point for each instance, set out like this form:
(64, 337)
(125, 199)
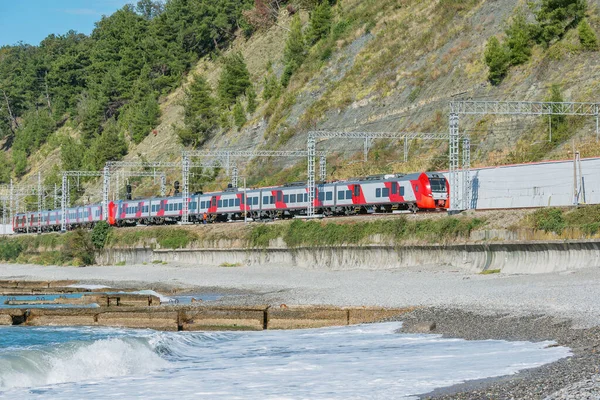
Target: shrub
(555, 17)
(234, 80)
(79, 248)
(320, 23)
(294, 52)
(100, 234)
(200, 115)
(239, 114)
(587, 36)
(497, 58)
(518, 40)
(548, 220)
(10, 249)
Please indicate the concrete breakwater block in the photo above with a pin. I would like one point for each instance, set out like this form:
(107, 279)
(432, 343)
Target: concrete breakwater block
(118, 300)
(299, 317)
(224, 318)
(7, 316)
(61, 317)
(142, 318)
(361, 315)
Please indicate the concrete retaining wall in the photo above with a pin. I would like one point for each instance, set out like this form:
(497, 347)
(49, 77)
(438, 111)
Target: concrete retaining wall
(518, 257)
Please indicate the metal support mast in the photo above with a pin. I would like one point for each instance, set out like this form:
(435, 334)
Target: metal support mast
(185, 172)
(311, 150)
(453, 163)
(466, 170)
(234, 176)
(323, 168)
(39, 203)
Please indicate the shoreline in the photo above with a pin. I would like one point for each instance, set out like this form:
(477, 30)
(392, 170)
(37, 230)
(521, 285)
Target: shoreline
(561, 307)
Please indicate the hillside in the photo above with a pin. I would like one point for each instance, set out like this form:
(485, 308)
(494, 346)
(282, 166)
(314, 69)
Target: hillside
(381, 66)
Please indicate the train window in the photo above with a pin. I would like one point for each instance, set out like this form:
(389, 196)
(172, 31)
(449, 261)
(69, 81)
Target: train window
(271, 200)
(286, 198)
(202, 204)
(394, 188)
(279, 195)
(306, 197)
(348, 194)
(385, 192)
(321, 196)
(341, 195)
(329, 196)
(231, 202)
(237, 202)
(265, 199)
(292, 198)
(378, 192)
(357, 190)
(220, 204)
(401, 190)
(417, 188)
(214, 202)
(180, 206)
(256, 201)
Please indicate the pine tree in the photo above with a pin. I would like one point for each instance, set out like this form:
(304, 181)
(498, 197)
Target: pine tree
(234, 80)
(239, 114)
(320, 23)
(587, 36)
(294, 52)
(518, 40)
(497, 58)
(555, 96)
(555, 17)
(200, 117)
(251, 96)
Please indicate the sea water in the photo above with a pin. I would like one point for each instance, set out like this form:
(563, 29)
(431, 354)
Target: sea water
(370, 361)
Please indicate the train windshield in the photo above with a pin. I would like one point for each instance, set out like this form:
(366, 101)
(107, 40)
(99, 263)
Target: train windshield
(438, 185)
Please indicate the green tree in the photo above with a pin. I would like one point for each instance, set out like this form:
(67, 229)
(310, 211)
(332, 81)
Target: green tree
(555, 96)
(100, 234)
(497, 58)
(234, 80)
(251, 96)
(20, 162)
(5, 168)
(109, 146)
(555, 17)
(320, 23)
(294, 52)
(270, 87)
(239, 114)
(587, 36)
(71, 154)
(200, 116)
(518, 40)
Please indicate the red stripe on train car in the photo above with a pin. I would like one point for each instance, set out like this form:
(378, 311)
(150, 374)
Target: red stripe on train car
(394, 197)
(360, 199)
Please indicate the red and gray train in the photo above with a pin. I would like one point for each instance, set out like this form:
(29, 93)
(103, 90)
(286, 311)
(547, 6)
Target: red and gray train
(382, 193)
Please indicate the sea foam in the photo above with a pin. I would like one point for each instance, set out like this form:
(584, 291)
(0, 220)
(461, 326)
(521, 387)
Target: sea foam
(356, 362)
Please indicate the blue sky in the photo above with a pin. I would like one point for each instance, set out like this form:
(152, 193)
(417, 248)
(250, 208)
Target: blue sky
(31, 21)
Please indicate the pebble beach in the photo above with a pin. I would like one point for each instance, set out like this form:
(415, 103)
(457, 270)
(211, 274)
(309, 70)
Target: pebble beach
(561, 307)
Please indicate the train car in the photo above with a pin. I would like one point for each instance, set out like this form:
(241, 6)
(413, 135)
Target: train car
(382, 193)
